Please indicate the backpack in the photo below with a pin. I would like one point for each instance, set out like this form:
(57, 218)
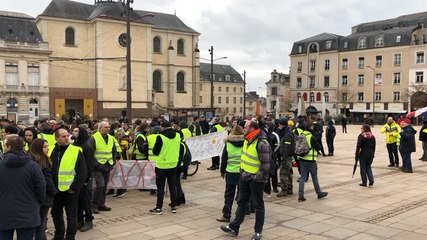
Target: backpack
(301, 145)
(186, 159)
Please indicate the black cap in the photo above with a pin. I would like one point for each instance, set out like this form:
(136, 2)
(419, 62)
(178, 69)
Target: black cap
(283, 121)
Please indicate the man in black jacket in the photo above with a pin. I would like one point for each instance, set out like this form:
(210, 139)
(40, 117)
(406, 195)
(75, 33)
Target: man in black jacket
(423, 138)
(68, 174)
(85, 214)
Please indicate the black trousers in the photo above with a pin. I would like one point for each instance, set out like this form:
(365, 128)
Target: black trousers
(69, 202)
(101, 180)
(85, 207)
(180, 196)
(229, 195)
(161, 176)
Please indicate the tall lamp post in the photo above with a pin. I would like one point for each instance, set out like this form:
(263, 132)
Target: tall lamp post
(244, 94)
(373, 93)
(212, 78)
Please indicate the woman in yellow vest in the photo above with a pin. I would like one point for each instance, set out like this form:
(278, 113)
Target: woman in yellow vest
(308, 163)
(230, 169)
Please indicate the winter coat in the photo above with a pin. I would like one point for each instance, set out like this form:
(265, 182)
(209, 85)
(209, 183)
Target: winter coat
(50, 187)
(330, 131)
(88, 151)
(237, 141)
(23, 189)
(423, 132)
(365, 148)
(407, 139)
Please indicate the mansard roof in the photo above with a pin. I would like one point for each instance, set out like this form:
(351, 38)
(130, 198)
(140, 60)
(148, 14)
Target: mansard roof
(321, 39)
(114, 10)
(18, 27)
(220, 71)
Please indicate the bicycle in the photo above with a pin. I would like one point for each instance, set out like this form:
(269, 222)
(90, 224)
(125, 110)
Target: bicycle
(193, 168)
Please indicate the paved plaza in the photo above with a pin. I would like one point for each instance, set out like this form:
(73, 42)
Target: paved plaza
(394, 208)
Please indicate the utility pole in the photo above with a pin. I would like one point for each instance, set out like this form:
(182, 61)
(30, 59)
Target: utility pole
(212, 82)
(244, 94)
(128, 64)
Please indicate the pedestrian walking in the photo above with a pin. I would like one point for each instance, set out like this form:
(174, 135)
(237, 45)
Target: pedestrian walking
(22, 188)
(255, 164)
(330, 136)
(365, 152)
(407, 144)
(344, 124)
(287, 146)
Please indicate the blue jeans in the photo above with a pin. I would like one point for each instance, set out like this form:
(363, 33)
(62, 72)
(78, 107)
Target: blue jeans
(406, 160)
(250, 189)
(366, 170)
(308, 167)
(22, 234)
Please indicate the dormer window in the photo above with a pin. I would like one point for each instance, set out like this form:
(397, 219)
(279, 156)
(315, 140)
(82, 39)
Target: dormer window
(379, 41)
(328, 44)
(361, 43)
(398, 38)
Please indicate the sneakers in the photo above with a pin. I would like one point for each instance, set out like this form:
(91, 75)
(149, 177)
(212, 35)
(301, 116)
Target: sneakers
(282, 194)
(213, 168)
(301, 199)
(229, 231)
(256, 236)
(322, 195)
(223, 219)
(86, 227)
(119, 194)
(391, 165)
(156, 211)
(173, 209)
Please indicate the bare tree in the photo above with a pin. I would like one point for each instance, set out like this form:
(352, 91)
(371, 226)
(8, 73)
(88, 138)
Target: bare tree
(417, 95)
(344, 96)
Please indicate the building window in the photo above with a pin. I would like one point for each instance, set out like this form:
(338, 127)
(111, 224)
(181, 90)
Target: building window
(361, 80)
(328, 44)
(227, 89)
(345, 44)
(299, 48)
(234, 110)
(313, 65)
(344, 96)
(273, 91)
(180, 82)
(299, 82)
(157, 81)
(378, 61)
(396, 96)
(241, 89)
(219, 100)
(360, 96)
(326, 81)
(419, 77)
(397, 59)
(378, 78)
(200, 99)
(299, 66)
(234, 89)
(33, 76)
(345, 64)
(234, 100)
(241, 109)
(420, 57)
(312, 81)
(398, 38)
(227, 110)
(12, 103)
(318, 97)
(227, 100)
(12, 75)
(69, 36)
(156, 45)
(311, 97)
(344, 80)
(327, 64)
(361, 62)
(396, 78)
(180, 47)
(378, 96)
(326, 96)
(241, 100)
(219, 88)
(361, 43)
(379, 41)
(200, 87)
(273, 105)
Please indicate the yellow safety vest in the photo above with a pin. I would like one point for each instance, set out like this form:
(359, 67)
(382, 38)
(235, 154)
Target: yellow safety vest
(139, 155)
(151, 140)
(50, 138)
(312, 154)
(194, 130)
(186, 133)
(169, 154)
(249, 159)
(391, 138)
(104, 151)
(67, 172)
(234, 155)
(218, 127)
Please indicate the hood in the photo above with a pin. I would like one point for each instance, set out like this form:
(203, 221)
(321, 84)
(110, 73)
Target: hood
(15, 159)
(236, 140)
(33, 130)
(83, 136)
(367, 135)
(169, 133)
(330, 123)
(410, 128)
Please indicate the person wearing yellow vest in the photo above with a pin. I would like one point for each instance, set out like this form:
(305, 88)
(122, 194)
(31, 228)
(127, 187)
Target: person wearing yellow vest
(216, 127)
(166, 148)
(147, 149)
(308, 163)
(47, 134)
(230, 169)
(391, 130)
(185, 133)
(106, 154)
(139, 141)
(255, 165)
(195, 128)
(30, 134)
(68, 174)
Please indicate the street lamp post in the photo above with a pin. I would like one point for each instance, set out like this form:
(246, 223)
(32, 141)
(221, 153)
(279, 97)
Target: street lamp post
(244, 94)
(373, 94)
(212, 78)
(128, 65)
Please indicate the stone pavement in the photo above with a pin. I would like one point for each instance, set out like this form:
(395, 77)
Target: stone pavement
(394, 208)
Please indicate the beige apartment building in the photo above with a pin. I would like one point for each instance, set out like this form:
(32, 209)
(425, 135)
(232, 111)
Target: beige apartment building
(377, 70)
(87, 73)
(24, 69)
(228, 88)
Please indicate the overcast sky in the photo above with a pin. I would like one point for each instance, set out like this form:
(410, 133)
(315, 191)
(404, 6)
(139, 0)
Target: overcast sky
(257, 35)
